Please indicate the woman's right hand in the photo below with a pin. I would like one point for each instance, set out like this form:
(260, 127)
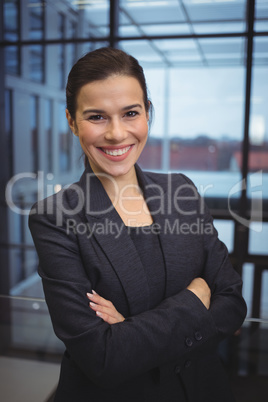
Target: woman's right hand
(104, 308)
(201, 289)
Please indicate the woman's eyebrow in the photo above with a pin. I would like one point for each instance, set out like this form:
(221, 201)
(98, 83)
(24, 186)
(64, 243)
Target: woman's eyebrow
(99, 111)
(132, 106)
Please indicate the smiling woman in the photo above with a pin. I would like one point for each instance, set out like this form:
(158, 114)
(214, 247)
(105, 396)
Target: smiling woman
(140, 311)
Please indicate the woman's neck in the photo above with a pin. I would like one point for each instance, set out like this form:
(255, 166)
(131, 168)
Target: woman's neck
(121, 186)
(127, 198)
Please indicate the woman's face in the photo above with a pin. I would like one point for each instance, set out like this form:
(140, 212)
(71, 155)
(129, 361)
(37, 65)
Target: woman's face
(111, 123)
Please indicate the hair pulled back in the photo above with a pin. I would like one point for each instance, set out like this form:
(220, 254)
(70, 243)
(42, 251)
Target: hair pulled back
(99, 65)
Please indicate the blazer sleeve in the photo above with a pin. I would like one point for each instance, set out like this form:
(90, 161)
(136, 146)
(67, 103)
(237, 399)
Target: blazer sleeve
(112, 354)
(227, 303)
(225, 283)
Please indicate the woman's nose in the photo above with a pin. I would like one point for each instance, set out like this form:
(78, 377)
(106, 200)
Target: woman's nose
(116, 131)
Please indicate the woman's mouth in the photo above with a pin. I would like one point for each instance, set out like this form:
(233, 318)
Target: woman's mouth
(116, 152)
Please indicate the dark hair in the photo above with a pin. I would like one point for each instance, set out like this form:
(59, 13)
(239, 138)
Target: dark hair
(99, 65)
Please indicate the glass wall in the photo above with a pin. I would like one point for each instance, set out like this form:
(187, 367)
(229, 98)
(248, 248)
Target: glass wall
(194, 55)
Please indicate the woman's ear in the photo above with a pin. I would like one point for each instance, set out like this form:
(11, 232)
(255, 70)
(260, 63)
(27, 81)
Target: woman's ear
(71, 122)
(148, 111)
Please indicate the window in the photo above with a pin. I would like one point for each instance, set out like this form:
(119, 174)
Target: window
(261, 15)
(72, 47)
(11, 33)
(199, 106)
(36, 31)
(258, 129)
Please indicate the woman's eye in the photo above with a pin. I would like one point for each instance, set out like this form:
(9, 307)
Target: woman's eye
(131, 113)
(96, 117)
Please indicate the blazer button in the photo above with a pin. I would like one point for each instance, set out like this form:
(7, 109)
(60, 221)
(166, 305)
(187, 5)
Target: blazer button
(188, 342)
(198, 336)
(177, 369)
(187, 364)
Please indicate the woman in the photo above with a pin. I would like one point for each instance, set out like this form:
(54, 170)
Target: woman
(138, 286)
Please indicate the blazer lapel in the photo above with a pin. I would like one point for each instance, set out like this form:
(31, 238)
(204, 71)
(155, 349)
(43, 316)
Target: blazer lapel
(119, 249)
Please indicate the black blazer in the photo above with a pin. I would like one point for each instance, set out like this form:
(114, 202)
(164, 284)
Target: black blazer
(163, 354)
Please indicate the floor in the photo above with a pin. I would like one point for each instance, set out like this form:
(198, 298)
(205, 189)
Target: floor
(24, 380)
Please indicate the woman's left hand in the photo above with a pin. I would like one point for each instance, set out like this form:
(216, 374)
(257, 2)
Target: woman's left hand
(104, 308)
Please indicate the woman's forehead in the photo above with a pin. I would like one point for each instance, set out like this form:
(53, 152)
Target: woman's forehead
(118, 89)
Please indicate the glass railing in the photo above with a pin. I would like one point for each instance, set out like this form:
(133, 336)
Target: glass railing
(30, 352)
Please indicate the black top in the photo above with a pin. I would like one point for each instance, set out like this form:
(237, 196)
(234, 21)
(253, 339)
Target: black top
(149, 249)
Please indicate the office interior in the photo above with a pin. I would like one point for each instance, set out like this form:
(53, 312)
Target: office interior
(206, 64)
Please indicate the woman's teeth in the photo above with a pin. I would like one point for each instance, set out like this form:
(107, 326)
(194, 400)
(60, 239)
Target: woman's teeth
(116, 152)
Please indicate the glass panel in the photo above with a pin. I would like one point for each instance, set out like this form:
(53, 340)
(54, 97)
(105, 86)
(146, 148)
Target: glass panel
(219, 27)
(258, 276)
(34, 131)
(12, 60)
(220, 52)
(145, 52)
(261, 15)
(8, 126)
(30, 326)
(260, 51)
(150, 12)
(209, 141)
(220, 10)
(48, 111)
(139, 18)
(58, 161)
(264, 293)
(36, 20)
(181, 17)
(61, 49)
(168, 29)
(11, 33)
(72, 47)
(248, 279)
(258, 129)
(258, 238)
(37, 63)
(91, 17)
(65, 140)
(31, 352)
(180, 52)
(225, 232)
(11, 20)
(36, 31)
(198, 125)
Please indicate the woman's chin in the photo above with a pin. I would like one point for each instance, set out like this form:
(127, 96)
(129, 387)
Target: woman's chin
(119, 171)
(114, 171)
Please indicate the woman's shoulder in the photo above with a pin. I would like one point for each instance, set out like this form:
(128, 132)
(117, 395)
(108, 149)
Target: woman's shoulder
(66, 200)
(166, 179)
